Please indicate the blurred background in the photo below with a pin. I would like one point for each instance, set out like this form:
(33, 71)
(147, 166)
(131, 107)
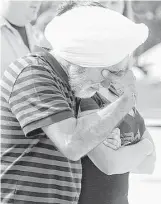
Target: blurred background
(147, 69)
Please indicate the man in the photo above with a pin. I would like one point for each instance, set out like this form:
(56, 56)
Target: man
(42, 138)
(17, 34)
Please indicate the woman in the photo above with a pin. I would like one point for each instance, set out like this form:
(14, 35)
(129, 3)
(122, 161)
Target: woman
(105, 181)
(101, 183)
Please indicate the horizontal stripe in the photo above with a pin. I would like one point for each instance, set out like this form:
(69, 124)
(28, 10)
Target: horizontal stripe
(6, 80)
(6, 86)
(41, 157)
(53, 103)
(5, 92)
(43, 80)
(47, 164)
(8, 118)
(3, 100)
(33, 96)
(11, 136)
(7, 123)
(49, 169)
(22, 140)
(16, 66)
(37, 76)
(33, 172)
(73, 168)
(6, 127)
(12, 71)
(39, 185)
(43, 195)
(25, 61)
(32, 86)
(11, 146)
(46, 192)
(5, 109)
(47, 153)
(11, 179)
(38, 200)
(36, 100)
(16, 132)
(9, 76)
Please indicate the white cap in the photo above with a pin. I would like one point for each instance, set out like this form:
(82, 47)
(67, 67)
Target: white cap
(94, 36)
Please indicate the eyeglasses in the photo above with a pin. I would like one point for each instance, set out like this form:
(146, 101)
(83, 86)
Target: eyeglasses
(120, 72)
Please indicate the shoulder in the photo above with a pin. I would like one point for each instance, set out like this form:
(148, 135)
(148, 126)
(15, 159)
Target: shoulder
(24, 69)
(30, 62)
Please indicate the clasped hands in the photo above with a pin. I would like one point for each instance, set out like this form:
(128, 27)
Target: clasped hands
(114, 140)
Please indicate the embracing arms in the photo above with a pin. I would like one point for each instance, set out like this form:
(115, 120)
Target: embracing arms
(75, 138)
(137, 158)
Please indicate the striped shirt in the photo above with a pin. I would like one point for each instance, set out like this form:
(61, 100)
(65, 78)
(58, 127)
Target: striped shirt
(36, 93)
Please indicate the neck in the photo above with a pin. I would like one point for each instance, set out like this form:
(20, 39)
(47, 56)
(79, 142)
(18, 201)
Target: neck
(64, 64)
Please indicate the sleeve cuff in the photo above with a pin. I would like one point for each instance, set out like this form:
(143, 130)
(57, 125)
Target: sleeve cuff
(30, 128)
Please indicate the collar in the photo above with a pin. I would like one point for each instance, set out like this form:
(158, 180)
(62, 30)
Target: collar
(4, 22)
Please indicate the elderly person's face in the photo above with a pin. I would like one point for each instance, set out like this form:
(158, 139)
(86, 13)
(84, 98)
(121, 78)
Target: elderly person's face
(20, 12)
(86, 81)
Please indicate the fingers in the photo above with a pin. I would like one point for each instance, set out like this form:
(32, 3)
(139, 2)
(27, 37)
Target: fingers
(106, 82)
(114, 141)
(116, 133)
(105, 73)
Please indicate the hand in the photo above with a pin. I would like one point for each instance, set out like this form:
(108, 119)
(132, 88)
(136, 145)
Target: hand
(114, 142)
(124, 83)
(129, 90)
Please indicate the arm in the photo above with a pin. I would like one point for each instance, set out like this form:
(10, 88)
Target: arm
(122, 160)
(147, 166)
(75, 138)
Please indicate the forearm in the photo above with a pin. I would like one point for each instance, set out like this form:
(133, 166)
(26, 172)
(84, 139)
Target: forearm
(76, 137)
(92, 129)
(148, 165)
(121, 161)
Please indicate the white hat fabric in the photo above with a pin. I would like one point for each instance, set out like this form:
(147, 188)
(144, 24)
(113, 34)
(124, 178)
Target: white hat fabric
(94, 36)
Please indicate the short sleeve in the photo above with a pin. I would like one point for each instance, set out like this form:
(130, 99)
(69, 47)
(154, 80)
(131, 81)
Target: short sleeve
(37, 99)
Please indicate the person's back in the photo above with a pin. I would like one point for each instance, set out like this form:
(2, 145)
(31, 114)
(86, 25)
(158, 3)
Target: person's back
(33, 169)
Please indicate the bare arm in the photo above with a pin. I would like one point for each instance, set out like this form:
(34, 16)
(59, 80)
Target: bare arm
(122, 160)
(75, 138)
(147, 166)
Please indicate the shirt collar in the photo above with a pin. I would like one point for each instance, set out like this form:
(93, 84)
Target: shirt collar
(4, 22)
